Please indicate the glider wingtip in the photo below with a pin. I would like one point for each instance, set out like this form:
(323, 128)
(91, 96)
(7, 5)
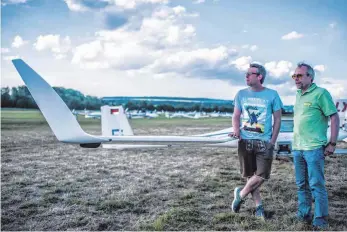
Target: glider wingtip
(17, 61)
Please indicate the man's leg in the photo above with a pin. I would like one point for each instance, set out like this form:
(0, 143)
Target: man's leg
(304, 193)
(315, 165)
(256, 197)
(263, 158)
(252, 185)
(247, 168)
(263, 153)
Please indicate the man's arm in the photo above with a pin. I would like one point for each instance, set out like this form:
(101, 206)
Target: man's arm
(335, 126)
(277, 125)
(236, 122)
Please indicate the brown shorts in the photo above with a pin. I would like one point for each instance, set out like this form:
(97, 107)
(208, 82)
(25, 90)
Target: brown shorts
(255, 157)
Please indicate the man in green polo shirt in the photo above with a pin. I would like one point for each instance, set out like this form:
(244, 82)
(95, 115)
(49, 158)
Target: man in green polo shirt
(313, 107)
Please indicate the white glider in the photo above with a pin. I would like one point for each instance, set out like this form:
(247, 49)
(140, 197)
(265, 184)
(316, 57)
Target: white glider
(66, 128)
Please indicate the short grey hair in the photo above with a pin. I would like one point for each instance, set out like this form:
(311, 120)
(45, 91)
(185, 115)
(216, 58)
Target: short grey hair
(310, 70)
(261, 70)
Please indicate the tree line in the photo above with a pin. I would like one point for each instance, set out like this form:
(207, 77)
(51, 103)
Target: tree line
(20, 97)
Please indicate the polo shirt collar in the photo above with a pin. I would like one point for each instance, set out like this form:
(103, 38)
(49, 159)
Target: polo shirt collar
(311, 88)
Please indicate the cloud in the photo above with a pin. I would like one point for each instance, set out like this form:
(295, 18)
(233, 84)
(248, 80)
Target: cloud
(11, 2)
(89, 5)
(75, 5)
(278, 69)
(131, 4)
(253, 48)
(332, 25)
(198, 1)
(250, 47)
(286, 90)
(54, 43)
(162, 34)
(319, 68)
(9, 58)
(163, 45)
(18, 42)
(242, 63)
(187, 61)
(5, 50)
(292, 35)
(59, 56)
(337, 88)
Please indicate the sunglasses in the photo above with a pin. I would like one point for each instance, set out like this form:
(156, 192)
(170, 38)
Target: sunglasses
(248, 74)
(300, 76)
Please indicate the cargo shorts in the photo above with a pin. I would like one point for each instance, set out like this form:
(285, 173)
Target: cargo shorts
(255, 158)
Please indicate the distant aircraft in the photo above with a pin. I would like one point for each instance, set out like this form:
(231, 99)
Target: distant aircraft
(341, 106)
(92, 114)
(67, 129)
(179, 115)
(87, 114)
(135, 114)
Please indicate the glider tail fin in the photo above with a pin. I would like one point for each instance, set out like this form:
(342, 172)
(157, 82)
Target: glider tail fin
(114, 121)
(59, 117)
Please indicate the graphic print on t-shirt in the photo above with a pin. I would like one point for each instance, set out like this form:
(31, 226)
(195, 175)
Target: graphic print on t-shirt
(254, 115)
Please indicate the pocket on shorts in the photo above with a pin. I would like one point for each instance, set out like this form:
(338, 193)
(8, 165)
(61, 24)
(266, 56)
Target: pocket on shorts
(261, 145)
(249, 145)
(270, 146)
(269, 150)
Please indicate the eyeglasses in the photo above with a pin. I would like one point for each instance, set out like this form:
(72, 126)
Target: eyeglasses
(248, 74)
(300, 76)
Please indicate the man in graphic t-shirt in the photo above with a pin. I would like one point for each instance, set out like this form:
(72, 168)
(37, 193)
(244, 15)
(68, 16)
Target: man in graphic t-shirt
(252, 124)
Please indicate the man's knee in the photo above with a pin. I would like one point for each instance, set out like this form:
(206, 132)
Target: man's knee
(317, 185)
(258, 179)
(301, 184)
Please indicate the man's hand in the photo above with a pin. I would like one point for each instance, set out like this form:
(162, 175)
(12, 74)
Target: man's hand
(235, 134)
(329, 150)
(272, 142)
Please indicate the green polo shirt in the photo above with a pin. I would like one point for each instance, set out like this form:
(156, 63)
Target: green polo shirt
(311, 113)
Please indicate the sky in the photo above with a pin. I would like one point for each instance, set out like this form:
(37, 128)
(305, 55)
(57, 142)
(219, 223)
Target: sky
(180, 48)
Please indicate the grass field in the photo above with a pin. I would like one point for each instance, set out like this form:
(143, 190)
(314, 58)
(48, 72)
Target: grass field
(47, 185)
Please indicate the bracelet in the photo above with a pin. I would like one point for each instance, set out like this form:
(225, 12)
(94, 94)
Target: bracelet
(332, 144)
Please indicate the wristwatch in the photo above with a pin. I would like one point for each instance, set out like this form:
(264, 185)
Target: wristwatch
(332, 144)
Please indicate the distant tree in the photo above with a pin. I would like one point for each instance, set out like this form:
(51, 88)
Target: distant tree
(196, 107)
(22, 98)
(130, 105)
(14, 96)
(215, 108)
(180, 109)
(92, 103)
(150, 107)
(166, 107)
(6, 100)
(143, 105)
(205, 109)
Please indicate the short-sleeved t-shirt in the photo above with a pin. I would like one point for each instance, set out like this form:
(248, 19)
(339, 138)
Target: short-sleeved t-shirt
(256, 109)
(311, 114)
